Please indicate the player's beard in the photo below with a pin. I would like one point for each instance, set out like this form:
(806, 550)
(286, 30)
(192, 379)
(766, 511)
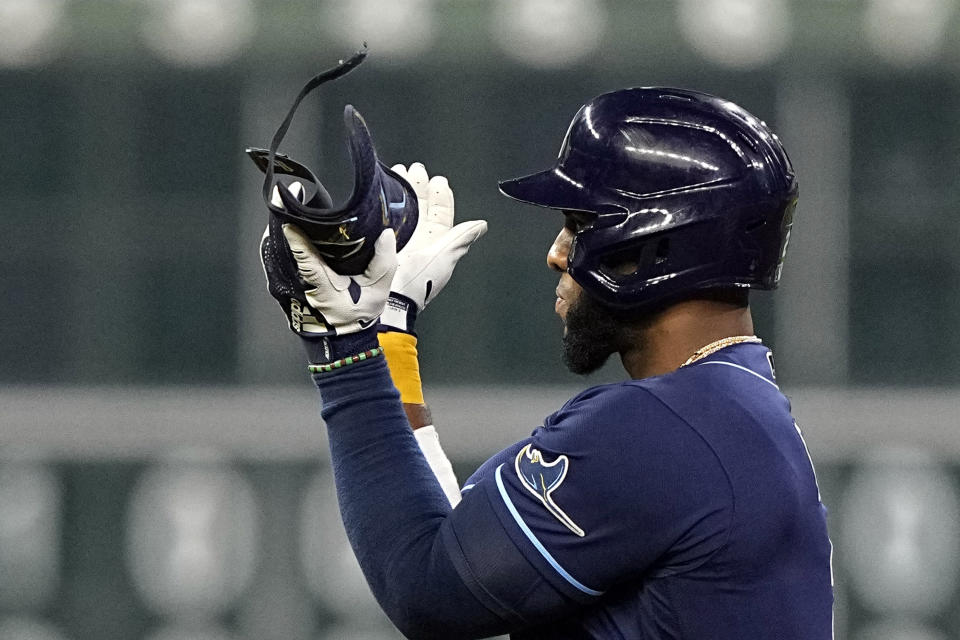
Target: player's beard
(592, 335)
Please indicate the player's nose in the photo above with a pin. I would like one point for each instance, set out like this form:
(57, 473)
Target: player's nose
(557, 255)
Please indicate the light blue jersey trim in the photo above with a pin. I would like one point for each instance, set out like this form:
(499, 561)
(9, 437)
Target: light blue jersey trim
(536, 543)
(737, 366)
(467, 487)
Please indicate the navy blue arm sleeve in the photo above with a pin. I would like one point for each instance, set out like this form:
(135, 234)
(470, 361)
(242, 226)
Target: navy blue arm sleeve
(410, 544)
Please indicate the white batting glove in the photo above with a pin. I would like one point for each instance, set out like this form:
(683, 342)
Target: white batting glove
(348, 304)
(429, 258)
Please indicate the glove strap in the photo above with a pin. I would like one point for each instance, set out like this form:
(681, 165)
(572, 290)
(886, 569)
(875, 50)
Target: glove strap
(343, 362)
(328, 349)
(400, 350)
(400, 314)
(345, 66)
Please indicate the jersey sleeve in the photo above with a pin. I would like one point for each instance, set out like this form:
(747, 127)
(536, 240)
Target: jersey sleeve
(614, 487)
(488, 468)
(400, 523)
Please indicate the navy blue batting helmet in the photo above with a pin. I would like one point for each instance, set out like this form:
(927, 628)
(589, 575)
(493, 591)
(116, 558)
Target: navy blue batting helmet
(688, 191)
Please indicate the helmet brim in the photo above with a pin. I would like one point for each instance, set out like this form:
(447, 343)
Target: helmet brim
(551, 189)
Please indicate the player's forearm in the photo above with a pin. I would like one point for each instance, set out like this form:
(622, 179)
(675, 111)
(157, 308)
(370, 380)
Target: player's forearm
(429, 442)
(393, 508)
(418, 415)
(400, 349)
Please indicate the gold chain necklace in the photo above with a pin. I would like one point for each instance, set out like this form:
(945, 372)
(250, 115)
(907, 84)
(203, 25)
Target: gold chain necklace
(716, 345)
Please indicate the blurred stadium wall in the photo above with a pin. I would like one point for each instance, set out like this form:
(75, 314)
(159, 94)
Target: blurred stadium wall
(162, 463)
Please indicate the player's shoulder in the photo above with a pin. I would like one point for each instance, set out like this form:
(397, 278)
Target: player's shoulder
(735, 386)
(673, 402)
(612, 417)
(612, 398)
(622, 435)
(745, 368)
(751, 360)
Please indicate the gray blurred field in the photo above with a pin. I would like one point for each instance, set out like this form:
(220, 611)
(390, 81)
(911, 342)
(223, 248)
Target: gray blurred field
(163, 472)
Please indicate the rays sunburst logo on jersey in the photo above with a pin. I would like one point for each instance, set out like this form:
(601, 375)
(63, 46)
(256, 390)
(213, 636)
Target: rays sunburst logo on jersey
(541, 478)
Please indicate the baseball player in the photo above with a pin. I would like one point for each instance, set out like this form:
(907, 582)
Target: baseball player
(678, 504)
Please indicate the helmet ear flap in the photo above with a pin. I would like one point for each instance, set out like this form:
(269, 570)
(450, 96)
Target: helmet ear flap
(645, 257)
(645, 269)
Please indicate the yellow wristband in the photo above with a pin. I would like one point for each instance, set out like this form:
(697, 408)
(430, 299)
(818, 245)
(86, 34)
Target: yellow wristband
(400, 350)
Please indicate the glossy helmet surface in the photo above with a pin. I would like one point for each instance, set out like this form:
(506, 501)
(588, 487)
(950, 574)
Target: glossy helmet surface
(689, 191)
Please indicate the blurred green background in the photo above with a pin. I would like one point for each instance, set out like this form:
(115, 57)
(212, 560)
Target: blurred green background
(135, 323)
